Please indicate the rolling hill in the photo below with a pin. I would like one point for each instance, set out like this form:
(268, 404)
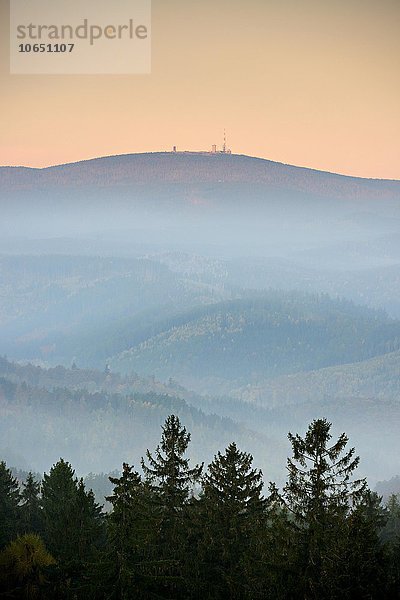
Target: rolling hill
(192, 198)
(253, 339)
(97, 420)
(192, 168)
(377, 378)
(59, 307)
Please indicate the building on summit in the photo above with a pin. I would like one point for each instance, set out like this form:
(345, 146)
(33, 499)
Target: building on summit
(214, 149)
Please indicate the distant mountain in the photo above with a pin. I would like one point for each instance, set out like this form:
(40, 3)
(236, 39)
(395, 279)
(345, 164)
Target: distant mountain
(252, 339)
(196, 196)
(163, 168)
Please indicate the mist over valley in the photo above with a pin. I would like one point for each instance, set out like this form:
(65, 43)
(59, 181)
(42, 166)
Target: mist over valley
(247, 296)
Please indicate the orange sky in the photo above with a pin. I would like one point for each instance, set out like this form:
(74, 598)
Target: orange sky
(312, 82)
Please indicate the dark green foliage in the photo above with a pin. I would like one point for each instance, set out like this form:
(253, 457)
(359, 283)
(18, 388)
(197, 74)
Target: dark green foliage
(9, 505)
(276, 572)
(73, 524)
(121, 525)
(390, 534)
(169, 471)
(363, 561)
(90, 523)
(326, 503)
(230, 483)
(393, 571)
(170, 478)
(59, 499)
(31, 506)
(232, 511)
(319, 480)
(129, 529)
(391, 531)
(325, 536)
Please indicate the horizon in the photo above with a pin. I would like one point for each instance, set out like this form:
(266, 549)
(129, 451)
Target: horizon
(195, 152)
(314, 85)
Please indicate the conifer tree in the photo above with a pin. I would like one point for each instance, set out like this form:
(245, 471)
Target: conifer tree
(232, 484)
(320, 474)
(73, 524)
(390, 536)
(9, 505)
(123, 498)
(393, 571)
(233, 512)
(391, 531)
(320, 494)
(170, 479)
(127, 527)
(31, 509)
(169, 471)
(59, 495)
(362, 554)
(90, 523)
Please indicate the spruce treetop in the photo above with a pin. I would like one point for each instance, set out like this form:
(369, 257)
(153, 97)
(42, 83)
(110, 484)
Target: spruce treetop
(232, 482)
(320, 473)
(168, 471)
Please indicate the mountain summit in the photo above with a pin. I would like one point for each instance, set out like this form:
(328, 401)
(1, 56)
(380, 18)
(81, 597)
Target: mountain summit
(165, 168)
(197, 197)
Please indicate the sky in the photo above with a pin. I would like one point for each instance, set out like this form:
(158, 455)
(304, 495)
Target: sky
(314, 83)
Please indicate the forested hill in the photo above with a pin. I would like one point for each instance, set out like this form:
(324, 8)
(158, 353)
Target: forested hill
(148, 190)
(253, 339)
(98, 420)
(46, 299)
(193, 167)
(377, 378)
(192, 199)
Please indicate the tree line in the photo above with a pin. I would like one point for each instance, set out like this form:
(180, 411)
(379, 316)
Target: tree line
(178, 531)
